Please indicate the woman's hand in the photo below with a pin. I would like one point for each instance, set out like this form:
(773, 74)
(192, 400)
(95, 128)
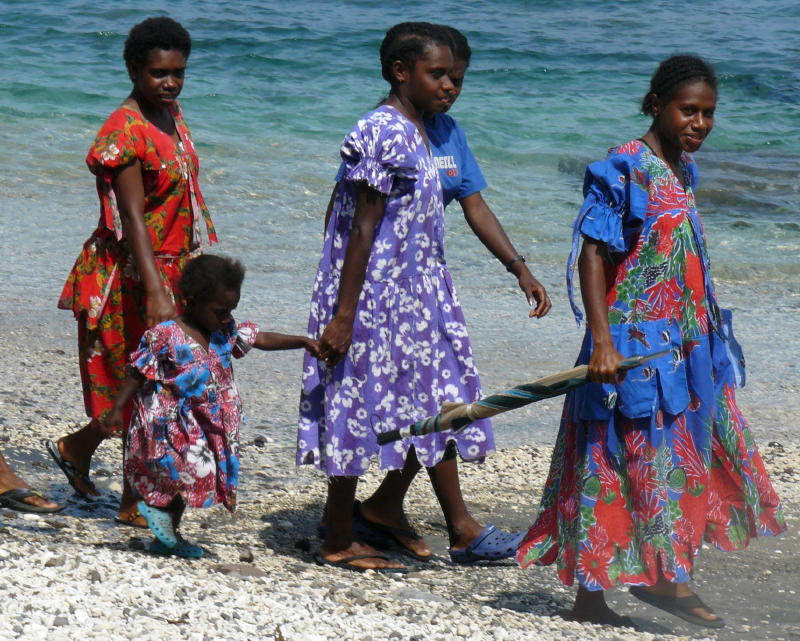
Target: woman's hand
(159, 308)
(335, 341)
(604, 363)
(535, 293)
(112, 422)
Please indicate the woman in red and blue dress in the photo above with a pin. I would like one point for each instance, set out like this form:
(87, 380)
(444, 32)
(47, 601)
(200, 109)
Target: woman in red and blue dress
(150, 214)
(648, 467)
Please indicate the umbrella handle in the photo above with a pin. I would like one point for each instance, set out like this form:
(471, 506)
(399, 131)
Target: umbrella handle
(384, 438)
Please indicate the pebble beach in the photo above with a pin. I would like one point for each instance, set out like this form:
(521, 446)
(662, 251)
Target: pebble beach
(79, 575)
(270, 92)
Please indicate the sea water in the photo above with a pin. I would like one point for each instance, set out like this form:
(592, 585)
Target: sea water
(272, 87)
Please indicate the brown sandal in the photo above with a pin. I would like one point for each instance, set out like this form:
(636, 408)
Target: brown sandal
(130, 520)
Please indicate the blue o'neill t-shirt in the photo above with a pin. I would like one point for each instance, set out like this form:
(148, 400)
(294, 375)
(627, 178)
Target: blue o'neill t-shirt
(458, 170)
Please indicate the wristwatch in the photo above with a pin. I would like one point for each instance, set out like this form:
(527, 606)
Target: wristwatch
(517, 258)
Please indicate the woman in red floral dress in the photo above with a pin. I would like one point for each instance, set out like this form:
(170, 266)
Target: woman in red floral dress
(647, 468)
(150, 213)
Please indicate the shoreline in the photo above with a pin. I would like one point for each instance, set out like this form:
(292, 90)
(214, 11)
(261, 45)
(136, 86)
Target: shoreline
(79, 575)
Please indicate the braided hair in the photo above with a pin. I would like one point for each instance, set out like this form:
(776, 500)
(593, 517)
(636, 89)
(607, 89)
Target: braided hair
(155, 33)
(461, 48)
(407, 42)
(674, 72)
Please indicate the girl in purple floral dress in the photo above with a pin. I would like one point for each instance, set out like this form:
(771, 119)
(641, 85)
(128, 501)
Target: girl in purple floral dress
(394, 343)
(183, 441)
(647, 468)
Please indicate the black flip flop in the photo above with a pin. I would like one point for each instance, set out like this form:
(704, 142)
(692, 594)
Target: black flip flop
(69, 470)
(681, 607)
(347, 563)
(15, 500)
(387, 533)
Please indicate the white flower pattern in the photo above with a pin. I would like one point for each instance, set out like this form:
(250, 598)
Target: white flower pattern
(410, 350)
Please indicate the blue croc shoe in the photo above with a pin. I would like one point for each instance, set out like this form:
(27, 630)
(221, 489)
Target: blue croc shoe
(183, 549)
(160, 523)
(490, 545)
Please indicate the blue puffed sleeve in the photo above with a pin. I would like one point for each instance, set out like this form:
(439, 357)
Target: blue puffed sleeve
(376, 152)
(615, 193)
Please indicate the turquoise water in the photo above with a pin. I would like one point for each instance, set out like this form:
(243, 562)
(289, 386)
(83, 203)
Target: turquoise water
(272, 88)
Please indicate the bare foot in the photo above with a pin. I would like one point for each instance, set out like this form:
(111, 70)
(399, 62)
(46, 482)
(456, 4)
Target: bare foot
(13, 482)
(396, 526)
(373, 560)
(590, 607)
(81, 481)
(680, 590)
(465, 533)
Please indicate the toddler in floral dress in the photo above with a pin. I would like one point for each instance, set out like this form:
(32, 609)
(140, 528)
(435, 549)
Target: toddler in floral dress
(182, 443)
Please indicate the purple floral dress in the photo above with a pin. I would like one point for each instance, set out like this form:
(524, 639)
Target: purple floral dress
(184, 435)
(410, 350)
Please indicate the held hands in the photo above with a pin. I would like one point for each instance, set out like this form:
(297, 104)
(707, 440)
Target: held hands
(604, 363)
(312, 346)
(335, 341)
(535, 292)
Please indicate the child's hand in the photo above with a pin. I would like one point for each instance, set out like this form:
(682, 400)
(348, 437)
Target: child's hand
(313, 347)
(112, 423)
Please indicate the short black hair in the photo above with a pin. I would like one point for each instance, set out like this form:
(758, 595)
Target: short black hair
(407, 42)
(155, 33)
(205, 275)
(672, 73)
(461, 48)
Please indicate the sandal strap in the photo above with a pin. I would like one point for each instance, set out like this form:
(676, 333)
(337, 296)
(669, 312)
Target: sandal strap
(359, 557)
(691, 601)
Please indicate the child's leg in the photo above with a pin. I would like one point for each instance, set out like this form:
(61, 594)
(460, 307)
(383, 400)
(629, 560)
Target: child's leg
(177, 508)
(161, 522)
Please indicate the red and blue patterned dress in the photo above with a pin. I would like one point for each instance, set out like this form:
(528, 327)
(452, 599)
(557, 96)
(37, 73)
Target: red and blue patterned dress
(104, 290)
(644, 471)
(184, 435)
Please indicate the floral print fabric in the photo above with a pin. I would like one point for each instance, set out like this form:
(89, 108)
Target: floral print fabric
(645, 471)
(103, 290)
(184, 435)
(410, 350)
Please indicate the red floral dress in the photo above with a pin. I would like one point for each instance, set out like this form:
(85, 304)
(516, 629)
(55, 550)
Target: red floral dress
(645, 470)
(104, 290)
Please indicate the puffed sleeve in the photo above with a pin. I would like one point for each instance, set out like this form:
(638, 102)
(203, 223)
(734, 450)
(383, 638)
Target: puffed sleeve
(376, 152)
(155, 350)
(615, 202)
(615, 192)
(119, 142)
(243, 337)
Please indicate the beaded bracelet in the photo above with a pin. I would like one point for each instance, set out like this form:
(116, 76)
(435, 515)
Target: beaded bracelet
(518, 257)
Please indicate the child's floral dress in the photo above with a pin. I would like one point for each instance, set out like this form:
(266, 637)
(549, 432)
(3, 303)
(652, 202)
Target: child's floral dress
(184, 434)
